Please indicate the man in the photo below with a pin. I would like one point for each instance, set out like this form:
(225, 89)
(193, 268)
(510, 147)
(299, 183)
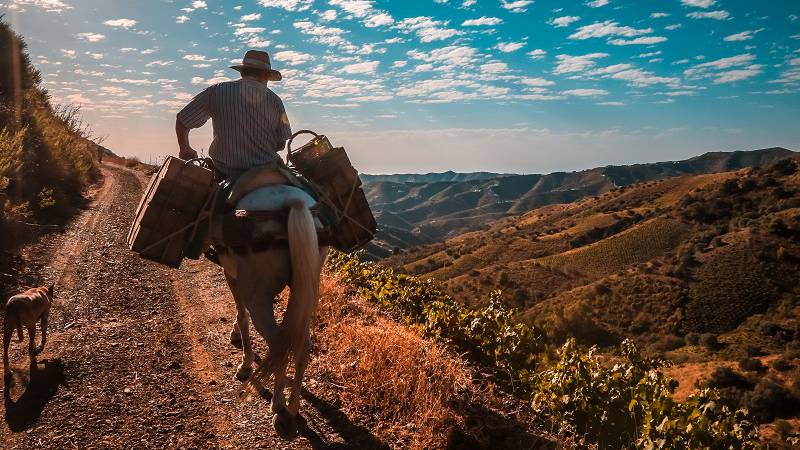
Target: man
(249, 120)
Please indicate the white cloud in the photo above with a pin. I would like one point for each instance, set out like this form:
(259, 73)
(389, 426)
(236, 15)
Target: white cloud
(289, 5)
(47, 5)
(364, 10)
(610, 104)
(196, 58)
(121, 23)
(563, 21)
(483, 21)
(451, 55)
(427, 29)
(537, 82)
(673, 26)
(537, 53)
(181, 19)
(91, 37)
(726, 70)
(251, 17)
(509, 47)
(199, 4)
(366, 67)
(328, 15)
(597, 3)
(658, 15)
(607, 29)
(378, 20)
(68, 53)
(639, 77)
(516, 6)
(209, 81)
(698, 3)
(330, 36)
(159, 63)
(586, 92)
(249, 30)
(716, 15)
(494, 68)
(570, 64)
(743, 36)
(644, 40)
(293, 58)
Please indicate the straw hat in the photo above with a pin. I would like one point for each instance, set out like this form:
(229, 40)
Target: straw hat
(258, 60)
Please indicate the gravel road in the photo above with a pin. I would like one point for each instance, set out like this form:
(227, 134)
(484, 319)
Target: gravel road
(138, 354)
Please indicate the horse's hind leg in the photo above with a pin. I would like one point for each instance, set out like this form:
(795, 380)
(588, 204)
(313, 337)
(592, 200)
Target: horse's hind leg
(301, 362)
(241, 333)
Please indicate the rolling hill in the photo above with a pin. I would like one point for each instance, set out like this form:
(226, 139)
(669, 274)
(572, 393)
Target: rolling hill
(693, 253)
(415, 210)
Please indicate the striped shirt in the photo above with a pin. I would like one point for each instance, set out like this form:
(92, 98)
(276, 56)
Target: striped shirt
(249, 120)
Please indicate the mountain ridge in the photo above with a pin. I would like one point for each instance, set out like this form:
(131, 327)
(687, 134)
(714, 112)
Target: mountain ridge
(413, 213)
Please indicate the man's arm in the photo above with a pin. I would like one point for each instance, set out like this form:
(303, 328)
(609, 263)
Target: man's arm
(193, 115)
(186, 150)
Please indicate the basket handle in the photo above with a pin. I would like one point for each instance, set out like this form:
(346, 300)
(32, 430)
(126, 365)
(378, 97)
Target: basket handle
(289, 144)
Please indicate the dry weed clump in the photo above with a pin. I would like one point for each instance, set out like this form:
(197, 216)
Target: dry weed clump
(407, 386)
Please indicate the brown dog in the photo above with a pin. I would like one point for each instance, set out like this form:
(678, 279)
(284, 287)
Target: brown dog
(26, 309)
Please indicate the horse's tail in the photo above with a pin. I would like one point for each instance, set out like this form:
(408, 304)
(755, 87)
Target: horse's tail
(304, 286)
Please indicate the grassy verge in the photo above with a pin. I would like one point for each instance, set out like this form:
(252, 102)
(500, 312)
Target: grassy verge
(612, 404)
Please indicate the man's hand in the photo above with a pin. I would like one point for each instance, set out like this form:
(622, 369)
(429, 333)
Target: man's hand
(187, 153)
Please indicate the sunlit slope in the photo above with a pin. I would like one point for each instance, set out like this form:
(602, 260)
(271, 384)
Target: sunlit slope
(690, 253)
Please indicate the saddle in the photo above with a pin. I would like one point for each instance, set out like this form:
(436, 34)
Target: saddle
(252, 210)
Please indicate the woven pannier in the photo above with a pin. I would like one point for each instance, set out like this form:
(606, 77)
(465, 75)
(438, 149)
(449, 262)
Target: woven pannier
(330, 172)
(165, 219)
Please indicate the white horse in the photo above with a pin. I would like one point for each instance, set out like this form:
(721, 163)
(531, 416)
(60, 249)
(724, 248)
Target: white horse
(257, 278)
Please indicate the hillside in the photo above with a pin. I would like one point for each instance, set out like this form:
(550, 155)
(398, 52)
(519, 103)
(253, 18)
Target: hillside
(694, 253)
(47, 157)
(426, 209)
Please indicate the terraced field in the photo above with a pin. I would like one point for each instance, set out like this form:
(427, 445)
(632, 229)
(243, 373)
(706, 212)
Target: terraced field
(635, 245)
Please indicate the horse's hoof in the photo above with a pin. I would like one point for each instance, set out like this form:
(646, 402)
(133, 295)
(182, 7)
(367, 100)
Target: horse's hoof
(285, 424)
(243, 373)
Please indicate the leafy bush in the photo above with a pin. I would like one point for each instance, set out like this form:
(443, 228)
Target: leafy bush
(631, 403)
(781, 365)
(692, 338)
(709, 341)
(726, 377)
(769, 400)
(752, 365)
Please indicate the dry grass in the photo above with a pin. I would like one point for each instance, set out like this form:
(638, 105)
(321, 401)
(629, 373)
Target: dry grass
(410, 392)
(386, 372)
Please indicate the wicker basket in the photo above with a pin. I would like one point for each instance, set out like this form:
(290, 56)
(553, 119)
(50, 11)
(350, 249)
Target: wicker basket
(329, 170)
(173, 200)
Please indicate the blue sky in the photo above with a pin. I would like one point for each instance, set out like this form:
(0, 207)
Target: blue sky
(428, 85)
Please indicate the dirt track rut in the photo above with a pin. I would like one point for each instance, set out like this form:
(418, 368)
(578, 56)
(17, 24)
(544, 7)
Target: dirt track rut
(137, 354)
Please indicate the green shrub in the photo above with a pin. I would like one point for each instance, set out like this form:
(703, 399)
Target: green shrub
(631, 404)
(726, 377)
(781, 365)
(752, 365)
(709, 341)
(769, 400)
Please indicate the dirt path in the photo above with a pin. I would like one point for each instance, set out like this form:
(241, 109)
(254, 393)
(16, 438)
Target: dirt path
(138, 354)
